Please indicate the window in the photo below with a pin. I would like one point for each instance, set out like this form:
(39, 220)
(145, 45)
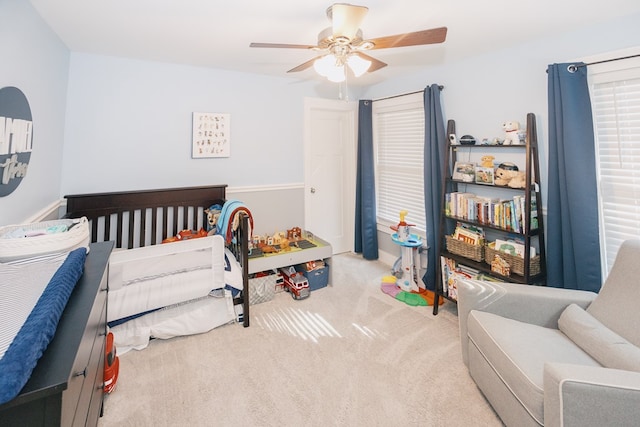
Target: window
(398, 137)
(615, 98)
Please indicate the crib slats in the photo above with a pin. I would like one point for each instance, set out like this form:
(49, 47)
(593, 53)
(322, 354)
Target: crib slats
(94, 231)
(131, 229)
(186, 205)
(154, 230)
(175, 229)
(165, 222)
(119, 230)
(107, 228)
(104, 208)
(185, 217)
(194, 217)
(182, 214)
(143, 228)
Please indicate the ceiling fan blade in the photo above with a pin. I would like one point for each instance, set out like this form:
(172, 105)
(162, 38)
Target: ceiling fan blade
(303, 66)
(346, 19)
(282, 45)
(376, 64)
(432, 36)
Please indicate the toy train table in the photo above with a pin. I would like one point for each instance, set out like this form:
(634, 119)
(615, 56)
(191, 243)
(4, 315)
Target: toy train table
(308, 248)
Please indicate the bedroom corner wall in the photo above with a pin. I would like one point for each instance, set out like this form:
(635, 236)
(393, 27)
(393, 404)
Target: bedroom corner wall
(35, 61)
(129, 126)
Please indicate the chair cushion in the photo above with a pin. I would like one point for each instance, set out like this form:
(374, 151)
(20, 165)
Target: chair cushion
(616, 305)
(604, 345)
(517, 351)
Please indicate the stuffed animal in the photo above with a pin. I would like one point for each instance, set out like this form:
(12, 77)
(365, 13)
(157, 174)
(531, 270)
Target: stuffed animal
(511, 133)
(213, 213)
(502, 177)
(518, 180)
(511, 178)
(487, 161)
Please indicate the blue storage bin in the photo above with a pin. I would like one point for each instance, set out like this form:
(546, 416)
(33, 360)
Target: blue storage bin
(317, 278)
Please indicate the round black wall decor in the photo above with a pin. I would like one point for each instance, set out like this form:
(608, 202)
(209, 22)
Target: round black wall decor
(16, 138)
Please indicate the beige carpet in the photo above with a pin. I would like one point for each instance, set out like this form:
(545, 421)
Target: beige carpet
(349, 355)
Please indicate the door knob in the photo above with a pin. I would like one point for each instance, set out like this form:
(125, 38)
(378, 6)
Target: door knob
(313, 190)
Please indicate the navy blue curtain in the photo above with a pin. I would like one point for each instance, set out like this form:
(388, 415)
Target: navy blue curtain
(366, 233)
(434, 151)
(573, 244)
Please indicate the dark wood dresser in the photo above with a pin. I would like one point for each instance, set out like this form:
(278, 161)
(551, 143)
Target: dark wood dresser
(66, 386)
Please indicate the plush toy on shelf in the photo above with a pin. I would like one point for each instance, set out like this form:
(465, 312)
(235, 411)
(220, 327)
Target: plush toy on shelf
(509, 177)
(518, 180)
(511, 133)
(487, 161)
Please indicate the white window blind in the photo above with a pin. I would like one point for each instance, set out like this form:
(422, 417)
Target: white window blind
(615, 98)
(398, 134)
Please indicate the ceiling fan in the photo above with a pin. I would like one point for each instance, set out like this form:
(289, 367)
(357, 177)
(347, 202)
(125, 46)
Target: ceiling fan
(343, 44)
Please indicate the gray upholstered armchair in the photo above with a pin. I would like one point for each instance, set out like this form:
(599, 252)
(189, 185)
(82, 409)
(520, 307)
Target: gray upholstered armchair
(557, 357)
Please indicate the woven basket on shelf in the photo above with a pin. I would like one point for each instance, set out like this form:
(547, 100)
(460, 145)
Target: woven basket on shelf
(515, 262)
(458, 247)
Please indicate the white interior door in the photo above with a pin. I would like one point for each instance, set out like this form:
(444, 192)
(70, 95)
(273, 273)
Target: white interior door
(330, 170)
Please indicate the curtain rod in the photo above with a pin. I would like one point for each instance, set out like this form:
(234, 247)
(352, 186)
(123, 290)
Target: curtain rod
(573, 68)
(403, 94)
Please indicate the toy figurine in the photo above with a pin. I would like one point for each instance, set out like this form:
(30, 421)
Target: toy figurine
(402, 229)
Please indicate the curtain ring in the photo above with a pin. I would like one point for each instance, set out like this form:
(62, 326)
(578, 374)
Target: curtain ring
(572, 68)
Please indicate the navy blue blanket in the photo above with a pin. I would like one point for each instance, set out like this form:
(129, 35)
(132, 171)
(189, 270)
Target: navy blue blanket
(38, 330)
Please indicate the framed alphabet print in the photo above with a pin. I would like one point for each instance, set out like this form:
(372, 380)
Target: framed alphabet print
(211, 135)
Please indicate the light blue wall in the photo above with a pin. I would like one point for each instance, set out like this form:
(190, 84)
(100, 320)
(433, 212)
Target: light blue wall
(35, 61)
(128, 122)
(482, 92)
(129, 126)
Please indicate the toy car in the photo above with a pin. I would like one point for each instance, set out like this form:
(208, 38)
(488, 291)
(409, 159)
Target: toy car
(295, 282)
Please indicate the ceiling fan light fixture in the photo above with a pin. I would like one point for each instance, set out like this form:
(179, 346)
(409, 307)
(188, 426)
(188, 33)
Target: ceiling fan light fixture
(343, 44)
(336, 74)
(358, 65)
(346, 19)
(331, 67)
(324, 64)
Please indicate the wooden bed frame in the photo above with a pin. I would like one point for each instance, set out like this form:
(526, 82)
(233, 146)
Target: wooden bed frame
(141, 218)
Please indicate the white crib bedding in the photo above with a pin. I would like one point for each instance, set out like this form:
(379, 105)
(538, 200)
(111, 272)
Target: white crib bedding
(162, 291)
(193, 317)
(152, 277)
(159, 292)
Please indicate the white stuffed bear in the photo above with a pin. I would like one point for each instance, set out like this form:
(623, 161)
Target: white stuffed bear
(511, 133)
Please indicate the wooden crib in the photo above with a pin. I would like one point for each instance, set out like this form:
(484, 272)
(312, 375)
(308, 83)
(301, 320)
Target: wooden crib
(135, 219)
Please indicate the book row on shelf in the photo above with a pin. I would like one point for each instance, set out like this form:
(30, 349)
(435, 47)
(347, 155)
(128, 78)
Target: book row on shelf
(507, 214)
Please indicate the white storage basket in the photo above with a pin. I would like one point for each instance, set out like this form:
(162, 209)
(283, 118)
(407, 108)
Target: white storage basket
(262, 288)
(29, 240)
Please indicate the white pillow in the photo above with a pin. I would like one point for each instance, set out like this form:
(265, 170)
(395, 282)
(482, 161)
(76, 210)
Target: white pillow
(600, 342)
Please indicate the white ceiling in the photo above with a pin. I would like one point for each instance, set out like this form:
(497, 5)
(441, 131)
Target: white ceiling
(213, 33)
